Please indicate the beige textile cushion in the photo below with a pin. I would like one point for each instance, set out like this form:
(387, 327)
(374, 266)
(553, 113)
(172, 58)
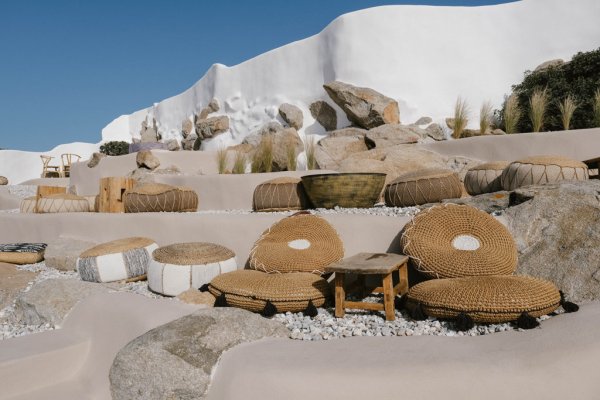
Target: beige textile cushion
(22, 253)
(279, 194)
(422, 187)
(485, 178)
(299, 243)
(27, 205)
(157, 197)
(62, 203)
(486, 299)
(452, 240)
(251, 290)
(542, 169)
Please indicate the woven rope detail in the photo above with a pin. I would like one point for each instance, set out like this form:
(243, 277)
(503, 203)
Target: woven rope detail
(349, 190)
(117, 246)
(160, 198)
(428, 237)
(280, 194)
(195, 253)
(272, 254)
(28, 205)
(429, 186)
(288, 292)
(62, 203)
(542, 169)
(486, 299)
(485, 178)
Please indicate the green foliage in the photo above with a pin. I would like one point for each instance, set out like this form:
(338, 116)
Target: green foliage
(596, 109)
(115, 148)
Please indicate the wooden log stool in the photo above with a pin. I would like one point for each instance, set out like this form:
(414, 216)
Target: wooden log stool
(111, 194)
(362, 264)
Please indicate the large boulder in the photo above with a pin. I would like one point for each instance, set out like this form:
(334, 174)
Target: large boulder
(281, 137)
(392, 134)
(12, 282)
(145, 159)
(62, 253)
(149, 134)
(363, 106)
(213, 106)
(95, 159)
(331, 151)
(212, 126)
(350, 131)
(557, 231)
(292, 115)
(3, 181)
(186, 127)
(187, 143)
(324, 114)
(435, 132)
(176, 360)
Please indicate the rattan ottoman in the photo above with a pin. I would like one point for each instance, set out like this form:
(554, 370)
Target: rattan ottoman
(181, 266)
(422, 187)
(485, 178)
(542, 169)
(58, 203)
(280, 194)
(157, 197)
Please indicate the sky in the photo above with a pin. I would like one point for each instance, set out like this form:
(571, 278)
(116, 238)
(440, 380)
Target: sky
(68, 68)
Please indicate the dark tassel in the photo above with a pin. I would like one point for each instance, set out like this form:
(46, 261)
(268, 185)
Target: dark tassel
(418, 314)
(311, 310)
(203, 288)
(463, 322)
(221, 301)
(567, 305)
(400, 303)
(526, 321)
(269, 310)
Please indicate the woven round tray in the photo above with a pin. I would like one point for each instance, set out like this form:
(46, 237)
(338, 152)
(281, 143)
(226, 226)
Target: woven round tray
(251, 290)
(485, 178)
(422, 187)
(542, 169)
(452, 240)
(117, 246)
(195, 253)
(280, 194)
(157, 197)
(299, 243)
(349, 190)
(486, 299)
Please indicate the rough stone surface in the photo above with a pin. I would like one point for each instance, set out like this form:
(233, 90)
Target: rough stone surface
(12, 281)
(435, 132)
(550, 63)
(488, 202)
(194, 296)
(292, 115)
(363, 106)
(212, 107)
(173, 145)
(498, 131)
(149, 133)
(282, 138)
(331, 151)
(557, 232)
(176, 360)
(423, 121)
(187, 143)
(461, 165)
(392, 134)
(145, 159)
(186, 127)
(3, 181)
(212, 126)
(95, 159)
(324, 114)
(350, 131)
(450, 123)
(51, 300)
(62, 253)
(143, 175)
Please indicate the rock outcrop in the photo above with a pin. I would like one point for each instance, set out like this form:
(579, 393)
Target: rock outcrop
(281, 138)
(212, 107)
(149, 134)
(392, 134)
(95, 159)
(324, 114)
(145, 159)
(331, 151)
(292, 115)
(211, 126)
(62, 253)
(12, 281)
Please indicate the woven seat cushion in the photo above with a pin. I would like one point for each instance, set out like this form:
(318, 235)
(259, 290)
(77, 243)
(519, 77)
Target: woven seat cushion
(422, 187)
(486, 299)
(542, 169)
(27, 205)
(299, 243)
(157, 197)
(123, 259)
(60, 203)
(452, 240)
(251, 290)
(485, 178)
(179, 267)
(22, 253)
(280, 194)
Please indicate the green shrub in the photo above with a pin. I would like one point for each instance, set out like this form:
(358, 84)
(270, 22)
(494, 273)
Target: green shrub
(115, 148)
(596, 109)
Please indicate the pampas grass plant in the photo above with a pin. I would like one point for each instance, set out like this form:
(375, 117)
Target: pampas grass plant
(239, 163)
(538, 103)
(461, 117)
(512, 114)
(222, 160)
(596, 108)
(567, 108)
(310, 145)
(485, 117)
(292, 157)
(262, 160)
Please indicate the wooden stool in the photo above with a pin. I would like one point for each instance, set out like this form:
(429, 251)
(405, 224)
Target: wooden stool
(111, 194)
(362, 264)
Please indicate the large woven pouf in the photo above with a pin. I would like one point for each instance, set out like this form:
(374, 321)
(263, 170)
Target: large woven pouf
(122, 259)
(485, 178)
(451, 241)
(280, 194)
(22, 253)
(62, 203)
(542, 169)
(157, 197)
(179, 267)
(252, 290)
(299, 243)
(484, 299)
(422, 187)
(28, 204)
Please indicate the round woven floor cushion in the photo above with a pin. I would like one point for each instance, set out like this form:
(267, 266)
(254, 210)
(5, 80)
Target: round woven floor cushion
(157, 197)
(299, 243)
(485, 178)
(55, 203)
(452, 241)
(251, 290)
(422, 187)
(542, 169)
(22, 253)
(486, 299)
(122, 259)
(279, 194)
(179, 267)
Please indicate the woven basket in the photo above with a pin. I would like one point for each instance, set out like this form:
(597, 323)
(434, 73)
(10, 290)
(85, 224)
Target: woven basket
(452, 241)
(299, 243)
(62, 203)
(485, 178)
(251, 290)
(280, 194)
(156, 197)
(422, 187)
(22, 253)
(542, 169)
(192, 253)
(350, 190)
(486, 299)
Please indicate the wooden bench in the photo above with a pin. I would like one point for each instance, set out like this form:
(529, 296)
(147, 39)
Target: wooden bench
(362, 264)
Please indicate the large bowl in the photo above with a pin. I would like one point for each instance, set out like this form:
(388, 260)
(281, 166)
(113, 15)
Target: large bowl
(350, 190)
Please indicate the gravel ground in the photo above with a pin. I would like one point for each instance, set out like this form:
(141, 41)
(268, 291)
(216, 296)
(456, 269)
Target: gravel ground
(379, 209)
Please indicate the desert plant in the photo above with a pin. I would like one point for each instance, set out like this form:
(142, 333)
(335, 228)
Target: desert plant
(239, 163)
(291, 156)
(596, 108)
(538, 103)
(485, 117)
(461, 117)
(567, 109)
(222, 160)
(310, 145)
(511, 114)
(262, 160)
(115, 148)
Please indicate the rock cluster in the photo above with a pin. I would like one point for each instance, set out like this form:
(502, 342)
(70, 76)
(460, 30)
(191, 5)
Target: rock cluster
(281, 138)
(95, 159)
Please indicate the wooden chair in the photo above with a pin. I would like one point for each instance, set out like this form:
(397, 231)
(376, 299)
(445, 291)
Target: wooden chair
(49, 171)
(66, 160)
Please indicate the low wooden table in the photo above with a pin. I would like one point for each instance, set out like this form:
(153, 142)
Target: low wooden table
(362, 264)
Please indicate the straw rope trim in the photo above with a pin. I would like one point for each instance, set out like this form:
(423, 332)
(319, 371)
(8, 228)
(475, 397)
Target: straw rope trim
(510, 179)
(117, 246)
(173, 199)
(431, 173)
(279, 194)
(61, 203)
(483, 180)
(403, 194)
(192, 253)
(559, 161)
(494, 165)
(21, 258)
